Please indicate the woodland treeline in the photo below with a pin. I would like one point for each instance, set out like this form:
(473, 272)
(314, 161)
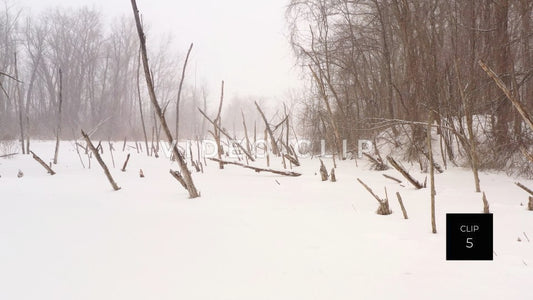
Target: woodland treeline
(99, 86)
(376, 64)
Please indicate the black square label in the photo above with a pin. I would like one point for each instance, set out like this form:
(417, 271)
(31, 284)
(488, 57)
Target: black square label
(469, 237)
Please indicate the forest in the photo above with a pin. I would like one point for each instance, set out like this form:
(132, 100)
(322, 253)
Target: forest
(368, 65)
(379, 64)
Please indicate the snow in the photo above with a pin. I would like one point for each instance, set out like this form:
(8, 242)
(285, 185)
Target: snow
(250, 236)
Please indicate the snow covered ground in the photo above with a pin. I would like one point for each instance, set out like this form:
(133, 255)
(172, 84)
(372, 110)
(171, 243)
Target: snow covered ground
(250, 236)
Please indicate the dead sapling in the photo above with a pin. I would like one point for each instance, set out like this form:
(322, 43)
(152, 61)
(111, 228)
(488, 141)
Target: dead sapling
(383, 208)
(125, 163)
(100, 161)
(404, 211)
(42, 163)
(333, 178)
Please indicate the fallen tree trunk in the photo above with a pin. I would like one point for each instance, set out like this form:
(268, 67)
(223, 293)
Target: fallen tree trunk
(284, 173)
(40, 161)
(100, 161)
(405, 174)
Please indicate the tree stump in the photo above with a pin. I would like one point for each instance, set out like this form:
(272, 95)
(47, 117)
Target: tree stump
(323, 171)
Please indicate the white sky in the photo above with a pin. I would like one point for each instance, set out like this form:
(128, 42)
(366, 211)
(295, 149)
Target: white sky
(243, 42)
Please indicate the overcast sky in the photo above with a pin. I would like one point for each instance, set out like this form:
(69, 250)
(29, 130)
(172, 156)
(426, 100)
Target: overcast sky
(243, 42)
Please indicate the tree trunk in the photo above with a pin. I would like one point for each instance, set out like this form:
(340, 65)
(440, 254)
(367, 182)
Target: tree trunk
(58, 129)
(431, 174)
(191, 188)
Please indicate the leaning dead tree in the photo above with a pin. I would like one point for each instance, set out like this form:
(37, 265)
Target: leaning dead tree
(405, 174)
(519, 107)
(258, 170)
(383, 208)
(100, 161)
(525, 188)
(191, 188)
(42, 163)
